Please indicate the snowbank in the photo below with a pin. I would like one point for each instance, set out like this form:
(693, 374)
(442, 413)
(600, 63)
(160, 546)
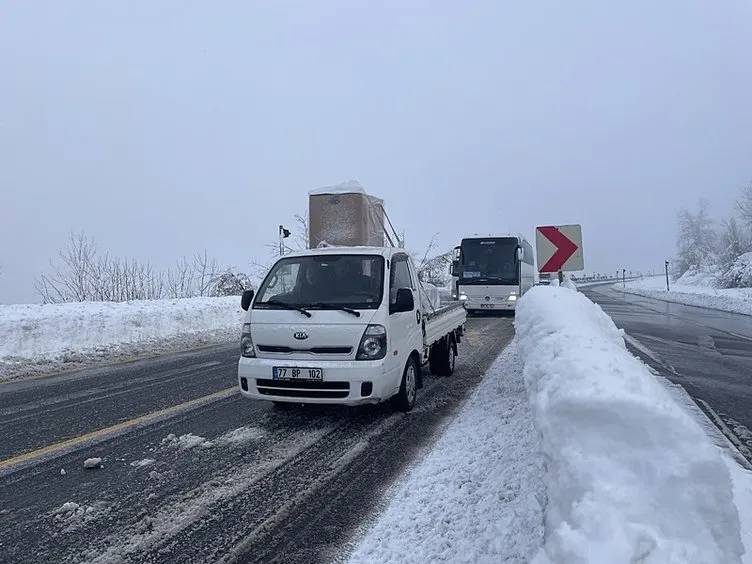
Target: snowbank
(631, 476)
(35, 337)
(740, 272)
(478, 495)
(694, 289)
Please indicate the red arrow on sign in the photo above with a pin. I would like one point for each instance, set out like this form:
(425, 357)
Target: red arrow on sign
(565, 248)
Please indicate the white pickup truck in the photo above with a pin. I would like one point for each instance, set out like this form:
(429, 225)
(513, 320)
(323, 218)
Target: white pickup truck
(344, 325)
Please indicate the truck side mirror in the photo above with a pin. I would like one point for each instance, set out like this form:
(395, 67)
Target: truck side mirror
(246, 299)
(403, 302)
(520, 254)
(455, 268)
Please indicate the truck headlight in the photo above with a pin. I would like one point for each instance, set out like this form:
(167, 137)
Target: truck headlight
(512, 298)
(463, 297)
(246, 343)
(372, 344)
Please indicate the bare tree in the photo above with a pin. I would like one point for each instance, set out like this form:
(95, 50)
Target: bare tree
(70, 278)
(179, 279)
(205, 271)
(81, 274)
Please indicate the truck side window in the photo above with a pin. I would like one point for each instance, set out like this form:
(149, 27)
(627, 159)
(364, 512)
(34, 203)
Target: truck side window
(400, 277)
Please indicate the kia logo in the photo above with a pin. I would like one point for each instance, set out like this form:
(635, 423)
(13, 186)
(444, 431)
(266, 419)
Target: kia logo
(301, 335)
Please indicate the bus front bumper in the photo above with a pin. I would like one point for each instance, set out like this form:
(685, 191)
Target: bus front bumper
(482, 305)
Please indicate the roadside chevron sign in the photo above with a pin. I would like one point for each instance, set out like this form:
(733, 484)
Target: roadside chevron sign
(559, 247)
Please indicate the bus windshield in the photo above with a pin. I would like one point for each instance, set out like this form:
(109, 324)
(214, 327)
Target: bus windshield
(489, 261)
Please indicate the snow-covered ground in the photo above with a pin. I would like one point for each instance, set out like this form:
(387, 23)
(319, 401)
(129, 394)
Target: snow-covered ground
(631, 476)
(478, 495)
(696, 290)
(43, 338)
(570, 451)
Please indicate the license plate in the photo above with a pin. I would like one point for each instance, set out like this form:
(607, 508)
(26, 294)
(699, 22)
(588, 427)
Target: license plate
(486, 306)
(291, 373)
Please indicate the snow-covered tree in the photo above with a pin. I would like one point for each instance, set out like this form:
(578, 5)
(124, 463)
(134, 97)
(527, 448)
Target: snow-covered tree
(735, 242)
(231, 283)
(744, 203)
(697, 239)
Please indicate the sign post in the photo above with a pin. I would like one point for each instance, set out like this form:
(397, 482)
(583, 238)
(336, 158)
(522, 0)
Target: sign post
(559, 249)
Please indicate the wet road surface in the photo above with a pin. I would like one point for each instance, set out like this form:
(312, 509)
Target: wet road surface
(708, 352)
(192, 472)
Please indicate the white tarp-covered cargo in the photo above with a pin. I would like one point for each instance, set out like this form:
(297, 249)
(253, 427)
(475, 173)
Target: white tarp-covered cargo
(345, 215)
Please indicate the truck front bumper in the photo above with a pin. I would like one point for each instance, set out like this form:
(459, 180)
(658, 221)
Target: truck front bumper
(345, 382)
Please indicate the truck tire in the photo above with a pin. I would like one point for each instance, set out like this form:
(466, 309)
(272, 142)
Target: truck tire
(405, 398)
(451, 355)
(442, 356)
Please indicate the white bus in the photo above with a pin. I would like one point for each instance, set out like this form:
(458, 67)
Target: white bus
(493, 272)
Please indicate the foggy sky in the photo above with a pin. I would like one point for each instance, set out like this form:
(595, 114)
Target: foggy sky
(163, 128)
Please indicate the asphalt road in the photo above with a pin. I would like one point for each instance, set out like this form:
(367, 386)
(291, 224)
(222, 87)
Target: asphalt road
(707, 352)
(192, 472)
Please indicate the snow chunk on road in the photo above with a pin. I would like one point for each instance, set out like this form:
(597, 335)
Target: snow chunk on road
(142, 463)
(631, 475)
(91, 463)
(241, 435)
(478, 495)
(68, 508)
(189, 440)
(71, 515)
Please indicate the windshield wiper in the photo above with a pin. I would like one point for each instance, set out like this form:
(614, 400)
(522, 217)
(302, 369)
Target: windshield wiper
(284, 305)
(320, 305)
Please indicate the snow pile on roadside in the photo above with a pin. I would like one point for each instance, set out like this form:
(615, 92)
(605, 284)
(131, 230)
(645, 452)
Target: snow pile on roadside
(568, 283)
(58, 335)
(631, 475)
(701, 277)
(693, 289)
(478, 495)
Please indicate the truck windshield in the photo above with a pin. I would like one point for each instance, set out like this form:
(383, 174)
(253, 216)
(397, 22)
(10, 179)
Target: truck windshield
(489, 261)
(324, 282)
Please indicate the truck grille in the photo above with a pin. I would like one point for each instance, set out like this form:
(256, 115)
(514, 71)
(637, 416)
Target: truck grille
(314, 389)
(314, 350)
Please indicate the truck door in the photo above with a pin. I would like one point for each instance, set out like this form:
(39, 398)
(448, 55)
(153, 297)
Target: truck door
(403, 326)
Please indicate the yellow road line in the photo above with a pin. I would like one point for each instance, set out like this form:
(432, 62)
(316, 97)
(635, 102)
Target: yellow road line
(50, 451)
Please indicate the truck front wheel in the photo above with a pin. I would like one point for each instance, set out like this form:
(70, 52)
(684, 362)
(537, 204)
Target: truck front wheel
(405, 398)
